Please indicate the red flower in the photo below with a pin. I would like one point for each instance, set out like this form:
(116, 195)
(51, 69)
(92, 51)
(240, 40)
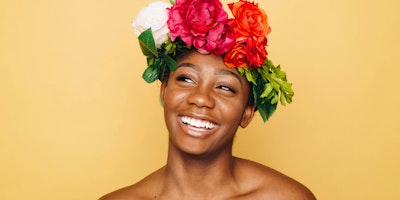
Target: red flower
(251, 28)
(201, 23)
(255, 48)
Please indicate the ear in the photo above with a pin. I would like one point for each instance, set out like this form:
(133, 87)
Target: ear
(247, 115)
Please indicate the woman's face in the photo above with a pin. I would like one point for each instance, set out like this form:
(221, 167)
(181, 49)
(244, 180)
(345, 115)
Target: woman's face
(204, 103)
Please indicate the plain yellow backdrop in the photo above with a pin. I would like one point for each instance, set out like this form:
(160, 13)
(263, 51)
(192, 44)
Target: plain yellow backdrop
(77, 121)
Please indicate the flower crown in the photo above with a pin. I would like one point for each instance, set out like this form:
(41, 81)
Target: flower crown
(165, 30)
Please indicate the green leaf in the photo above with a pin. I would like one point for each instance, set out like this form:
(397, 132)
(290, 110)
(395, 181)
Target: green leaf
(274, 99)
(241, 70)
(286, 97)
(271, 109)
(283, 99)
(147, 44)
(272, 94)
(274, 82)
(172, 2)
(171, 63)
(266, 110)
(150, 61)
(150, 74)
(264, 114)
(250, 75)
(170, 46)
(263, 71)
(268, 89)
(287, 88)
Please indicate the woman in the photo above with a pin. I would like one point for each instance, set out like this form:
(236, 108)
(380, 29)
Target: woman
(207, 93)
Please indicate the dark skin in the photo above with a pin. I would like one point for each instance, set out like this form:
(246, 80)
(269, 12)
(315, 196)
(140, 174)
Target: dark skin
(204, 104)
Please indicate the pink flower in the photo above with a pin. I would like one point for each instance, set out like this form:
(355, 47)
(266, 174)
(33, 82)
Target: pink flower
(177, 22)
(219, 40)
(201, 23)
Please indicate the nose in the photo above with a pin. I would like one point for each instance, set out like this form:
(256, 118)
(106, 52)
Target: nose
(201, 97)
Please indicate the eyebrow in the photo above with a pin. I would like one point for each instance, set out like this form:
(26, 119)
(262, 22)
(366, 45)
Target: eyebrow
(191, 65)
(227, 72)
(217, 72)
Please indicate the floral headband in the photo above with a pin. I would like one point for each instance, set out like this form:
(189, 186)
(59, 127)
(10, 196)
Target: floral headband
(165, 30)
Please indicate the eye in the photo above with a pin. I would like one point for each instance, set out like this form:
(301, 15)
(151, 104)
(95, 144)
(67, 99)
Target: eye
(226, 88)
(184, 79)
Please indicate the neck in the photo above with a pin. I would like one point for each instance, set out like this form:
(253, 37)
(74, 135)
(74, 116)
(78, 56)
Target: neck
(189, 174)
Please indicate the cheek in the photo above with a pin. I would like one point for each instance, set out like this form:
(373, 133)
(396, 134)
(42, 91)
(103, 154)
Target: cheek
(233, 110)
(173, 97)
(170, 107)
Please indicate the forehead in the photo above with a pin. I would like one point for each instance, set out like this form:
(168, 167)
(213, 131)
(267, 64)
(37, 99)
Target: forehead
(212, 62)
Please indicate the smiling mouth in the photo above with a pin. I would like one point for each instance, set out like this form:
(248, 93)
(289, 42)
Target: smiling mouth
(197, 123)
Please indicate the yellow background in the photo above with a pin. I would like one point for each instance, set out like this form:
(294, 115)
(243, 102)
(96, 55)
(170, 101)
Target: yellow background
(77, 120)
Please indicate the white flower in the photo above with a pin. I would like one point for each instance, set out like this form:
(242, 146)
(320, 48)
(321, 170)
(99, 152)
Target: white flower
(155, 15)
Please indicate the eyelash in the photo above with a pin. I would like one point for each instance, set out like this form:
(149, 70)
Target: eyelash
(222, 87)
(183, 78)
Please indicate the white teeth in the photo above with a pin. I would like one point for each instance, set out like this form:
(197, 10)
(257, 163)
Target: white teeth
(197, 123)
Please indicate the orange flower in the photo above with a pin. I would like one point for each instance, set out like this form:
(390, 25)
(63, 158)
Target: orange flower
(250, 20)
(236, 57)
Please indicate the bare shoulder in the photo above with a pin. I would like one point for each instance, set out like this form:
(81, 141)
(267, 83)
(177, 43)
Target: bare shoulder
(267, 183)
(140, 190)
